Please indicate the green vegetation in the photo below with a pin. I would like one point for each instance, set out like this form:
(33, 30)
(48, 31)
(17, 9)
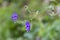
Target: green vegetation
(43, 16)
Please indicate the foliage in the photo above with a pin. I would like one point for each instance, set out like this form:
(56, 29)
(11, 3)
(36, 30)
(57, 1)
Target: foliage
(44, 24)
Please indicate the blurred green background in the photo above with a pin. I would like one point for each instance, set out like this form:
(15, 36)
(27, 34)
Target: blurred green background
(44, 16)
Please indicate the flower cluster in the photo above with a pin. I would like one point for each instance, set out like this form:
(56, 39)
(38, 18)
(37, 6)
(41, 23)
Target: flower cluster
(14, 16)
(27, 26)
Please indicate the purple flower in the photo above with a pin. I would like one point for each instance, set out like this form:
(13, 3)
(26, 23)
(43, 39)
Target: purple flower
(14, 16)
(27, 26)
